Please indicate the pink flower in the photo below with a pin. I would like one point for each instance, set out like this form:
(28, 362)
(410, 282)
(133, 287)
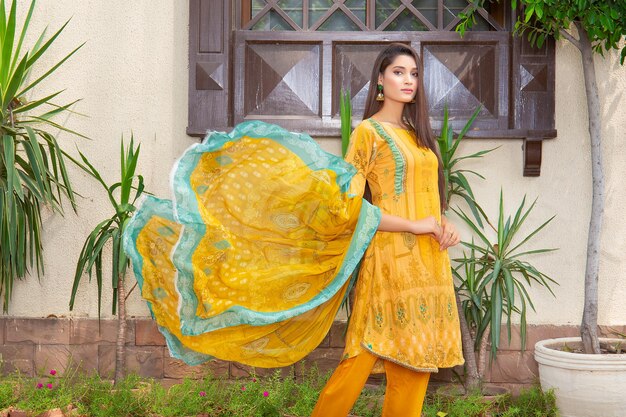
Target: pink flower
(39, 385)
(243, 388)
(266, 394)
(53, 372)
(49, 385)
(202, 394)
(253, 379)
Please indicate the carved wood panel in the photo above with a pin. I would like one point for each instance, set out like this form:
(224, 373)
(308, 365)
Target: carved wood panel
(281, 80)
(287, 60)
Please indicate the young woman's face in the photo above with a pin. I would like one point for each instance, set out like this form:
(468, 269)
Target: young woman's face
(399, 80)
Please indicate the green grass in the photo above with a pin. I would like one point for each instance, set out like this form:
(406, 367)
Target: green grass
(530, 403)
(273, 396)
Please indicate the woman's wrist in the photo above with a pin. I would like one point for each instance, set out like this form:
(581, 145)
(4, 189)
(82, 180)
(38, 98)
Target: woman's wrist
(421, 227)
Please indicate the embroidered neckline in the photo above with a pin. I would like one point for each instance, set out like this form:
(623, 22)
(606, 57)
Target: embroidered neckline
(400, 174)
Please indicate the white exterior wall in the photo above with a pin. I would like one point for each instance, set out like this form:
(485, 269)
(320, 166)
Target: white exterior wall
(132, 76)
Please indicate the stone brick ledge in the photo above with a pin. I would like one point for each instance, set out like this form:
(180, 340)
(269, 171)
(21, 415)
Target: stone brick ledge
(33, 346)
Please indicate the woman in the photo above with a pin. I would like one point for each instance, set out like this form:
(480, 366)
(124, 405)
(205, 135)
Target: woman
(252, 258)
(404, 321)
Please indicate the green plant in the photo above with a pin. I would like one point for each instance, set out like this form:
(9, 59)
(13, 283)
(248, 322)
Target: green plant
(129, 189)
(533, 402)
(345, 110)
(97, 398)
(307, 389)
(90, 395)
(493, 280)
(455, 180)
(456, 184)
(45, 394)
(7, 393)
(264, 397)
(370, 402)
(32, 163)
(491, 275)
(600, 26)
(188, 398)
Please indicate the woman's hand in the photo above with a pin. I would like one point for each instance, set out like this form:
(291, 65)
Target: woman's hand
(428, 226)
(449, 235)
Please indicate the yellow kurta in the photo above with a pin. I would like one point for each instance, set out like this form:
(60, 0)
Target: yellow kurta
(405, 309)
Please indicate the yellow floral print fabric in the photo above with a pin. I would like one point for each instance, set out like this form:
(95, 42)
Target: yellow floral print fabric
(404, 309)
(251, 260)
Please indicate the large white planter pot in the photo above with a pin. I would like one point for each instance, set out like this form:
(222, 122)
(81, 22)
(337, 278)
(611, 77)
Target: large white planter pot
(585, 385)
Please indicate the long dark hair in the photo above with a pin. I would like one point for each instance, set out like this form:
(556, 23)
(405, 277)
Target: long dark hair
(414, 114)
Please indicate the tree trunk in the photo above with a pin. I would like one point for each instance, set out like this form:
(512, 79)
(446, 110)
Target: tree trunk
(120, 348)
(472, 377)
(589, 325)
(483, 352)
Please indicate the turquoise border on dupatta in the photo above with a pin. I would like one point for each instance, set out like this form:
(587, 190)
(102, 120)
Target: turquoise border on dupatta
(186, 212)
(152, 206)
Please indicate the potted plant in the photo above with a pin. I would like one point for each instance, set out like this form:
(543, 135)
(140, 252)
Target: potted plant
(128, 190)
(32, 163)
(492, 277)
(590, 26)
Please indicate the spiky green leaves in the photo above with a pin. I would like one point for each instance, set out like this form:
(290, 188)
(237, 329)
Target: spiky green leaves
(32, 165)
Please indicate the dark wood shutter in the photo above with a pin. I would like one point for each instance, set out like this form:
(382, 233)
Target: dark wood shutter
(209, 66)
(533, 89)
(286, 63)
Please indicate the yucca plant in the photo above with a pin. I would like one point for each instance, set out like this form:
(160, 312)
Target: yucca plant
(455, 180)
(491, 275)
(128, 190)
(493, 284)
(345, 111)
(33, 173)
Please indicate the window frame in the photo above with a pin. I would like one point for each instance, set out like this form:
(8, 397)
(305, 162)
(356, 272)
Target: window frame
(217, 77)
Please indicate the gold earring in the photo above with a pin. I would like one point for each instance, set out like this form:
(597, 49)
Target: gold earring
(380, 96)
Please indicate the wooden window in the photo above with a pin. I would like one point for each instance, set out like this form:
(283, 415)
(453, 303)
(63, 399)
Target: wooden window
(286, 61)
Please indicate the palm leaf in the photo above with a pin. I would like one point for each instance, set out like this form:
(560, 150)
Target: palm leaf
(38, 52)
(533, 233)
(3, 22)
(47, 73)
(59, 109)
(13, 83)
(91, 255)
(18, 48)
(7, 41)
(345, 110)
(470, 122)
(496, 317)
(36, 103)
(39, 162)
(85, 256)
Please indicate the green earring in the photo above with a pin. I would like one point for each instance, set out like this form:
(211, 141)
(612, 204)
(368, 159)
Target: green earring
(380, 96)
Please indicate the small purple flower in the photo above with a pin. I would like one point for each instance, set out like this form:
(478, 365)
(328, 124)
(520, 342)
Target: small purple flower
(266, 394)
(253, 379)
(53, 372)
(202, 394)
(39, 385)
(49, 385)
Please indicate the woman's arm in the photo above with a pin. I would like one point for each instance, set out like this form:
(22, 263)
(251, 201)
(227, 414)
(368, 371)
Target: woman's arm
(445, 234)
(425, 226)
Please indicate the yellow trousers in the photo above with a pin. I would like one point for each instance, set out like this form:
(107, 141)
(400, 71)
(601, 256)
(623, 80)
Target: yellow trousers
(404, 395)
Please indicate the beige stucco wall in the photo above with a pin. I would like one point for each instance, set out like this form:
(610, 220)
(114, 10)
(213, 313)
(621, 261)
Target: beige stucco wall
(132, 75)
